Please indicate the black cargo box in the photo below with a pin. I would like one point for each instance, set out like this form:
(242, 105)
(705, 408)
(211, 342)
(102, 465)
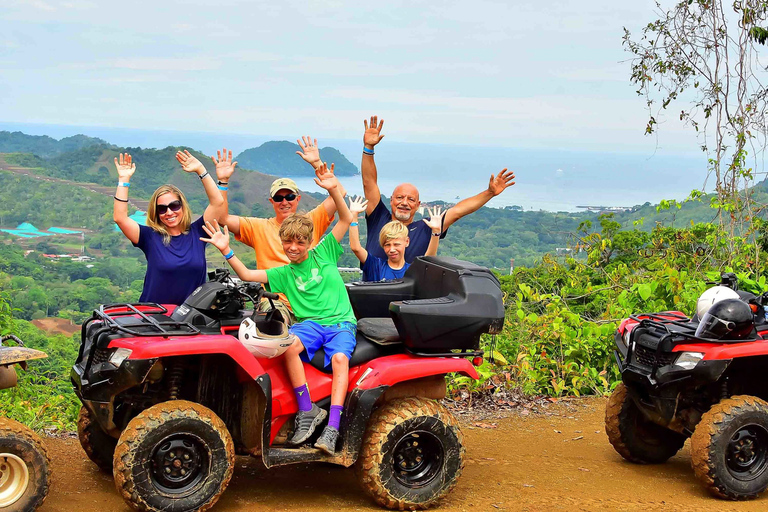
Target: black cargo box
(441, 304)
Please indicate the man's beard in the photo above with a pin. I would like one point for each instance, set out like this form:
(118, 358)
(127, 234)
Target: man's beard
(402, 216)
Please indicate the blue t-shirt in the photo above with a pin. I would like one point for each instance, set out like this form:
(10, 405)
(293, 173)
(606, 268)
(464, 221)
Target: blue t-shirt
(377, 269)
(419, 234)
(175, 270)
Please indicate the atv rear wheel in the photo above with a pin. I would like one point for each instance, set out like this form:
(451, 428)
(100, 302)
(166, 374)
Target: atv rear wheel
(729, 448)
(177, 455)
(633, 436)
(25, 472)
(97, 444)
(412, 454)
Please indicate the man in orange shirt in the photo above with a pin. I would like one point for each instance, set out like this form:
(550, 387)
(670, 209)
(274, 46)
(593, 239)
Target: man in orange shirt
(284, 195)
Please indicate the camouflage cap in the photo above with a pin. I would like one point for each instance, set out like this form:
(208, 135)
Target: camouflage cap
(283, 184)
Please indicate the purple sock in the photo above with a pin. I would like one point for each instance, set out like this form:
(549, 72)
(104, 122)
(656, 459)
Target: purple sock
(334, 419)
(302, 396)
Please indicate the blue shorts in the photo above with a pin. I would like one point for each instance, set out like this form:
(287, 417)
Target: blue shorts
(334, 339)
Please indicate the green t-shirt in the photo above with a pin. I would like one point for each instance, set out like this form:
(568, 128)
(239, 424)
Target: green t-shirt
(314, 287)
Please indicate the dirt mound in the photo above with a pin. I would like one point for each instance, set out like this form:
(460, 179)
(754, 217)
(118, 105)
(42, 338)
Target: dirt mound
(56, 325)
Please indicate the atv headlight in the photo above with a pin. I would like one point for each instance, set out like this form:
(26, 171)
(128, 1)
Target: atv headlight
(625, 337)
(120, 355)
(688, 360)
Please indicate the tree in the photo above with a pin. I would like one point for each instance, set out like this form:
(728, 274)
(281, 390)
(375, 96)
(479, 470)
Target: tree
(704, 54)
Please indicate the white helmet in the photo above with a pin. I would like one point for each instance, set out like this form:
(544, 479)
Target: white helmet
(266, 338)
(713, 295)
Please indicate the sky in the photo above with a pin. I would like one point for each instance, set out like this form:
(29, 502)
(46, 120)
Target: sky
(514, 74)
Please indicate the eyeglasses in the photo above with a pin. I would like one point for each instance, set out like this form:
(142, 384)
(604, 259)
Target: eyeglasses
(279, 198)
(174, 206)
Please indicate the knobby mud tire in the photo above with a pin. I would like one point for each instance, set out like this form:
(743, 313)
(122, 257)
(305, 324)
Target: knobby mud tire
(145, 437)
(634, 437)
(20, 441)
(97, 444)
(713, 440)
(399, 422)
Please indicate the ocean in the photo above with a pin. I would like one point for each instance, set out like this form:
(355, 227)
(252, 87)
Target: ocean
(546, 179)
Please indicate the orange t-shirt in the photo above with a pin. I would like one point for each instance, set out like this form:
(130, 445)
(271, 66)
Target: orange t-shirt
(264, 236)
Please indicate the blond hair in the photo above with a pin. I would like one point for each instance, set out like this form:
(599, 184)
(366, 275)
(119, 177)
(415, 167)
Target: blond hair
(391, 230)
(296, 226)
(153, 219)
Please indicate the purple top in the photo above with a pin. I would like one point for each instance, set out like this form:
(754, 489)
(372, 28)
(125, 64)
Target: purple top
(175, 270)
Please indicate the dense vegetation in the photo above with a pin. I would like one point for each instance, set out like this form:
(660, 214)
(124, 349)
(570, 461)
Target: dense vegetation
(279, 158)
(44, 146)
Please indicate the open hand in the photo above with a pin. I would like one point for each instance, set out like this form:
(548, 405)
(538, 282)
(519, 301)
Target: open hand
(325, 177)
(435, 221)
(224, 164)
(216, 237)
(501, 181)
(125, 167)
(372, 135)
(189, 163)
(310, 152)
(358, 205)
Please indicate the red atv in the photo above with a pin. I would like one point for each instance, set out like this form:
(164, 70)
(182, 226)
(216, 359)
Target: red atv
(169, 398)
(700, 378)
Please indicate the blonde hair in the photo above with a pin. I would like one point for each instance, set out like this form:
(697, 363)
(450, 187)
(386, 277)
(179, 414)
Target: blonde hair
(153, 220)
(296, 226)
(391, 230)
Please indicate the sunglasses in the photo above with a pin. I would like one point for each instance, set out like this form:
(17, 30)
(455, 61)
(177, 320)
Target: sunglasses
(174, 206)
(279, 198)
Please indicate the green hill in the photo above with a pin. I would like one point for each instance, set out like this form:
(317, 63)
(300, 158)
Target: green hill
(43, 145)
(279, 158)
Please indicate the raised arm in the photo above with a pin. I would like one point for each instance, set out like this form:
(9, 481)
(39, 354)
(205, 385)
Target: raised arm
(356, 207)
(496, 186)
(125, 169)
(310, 153)
(327, 180)
(225, 167)
(216, 205)
(371, 137)
(435, 223)
(221, 241)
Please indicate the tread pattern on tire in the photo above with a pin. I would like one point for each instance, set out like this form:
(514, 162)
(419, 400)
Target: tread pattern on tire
(11, 429)
(86, 428)
(614, 415)
(146, 421)
(707, 428)
(382, 423)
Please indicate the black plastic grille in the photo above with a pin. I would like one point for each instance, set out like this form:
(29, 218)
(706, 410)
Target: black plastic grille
(648, 357)
(101, 356)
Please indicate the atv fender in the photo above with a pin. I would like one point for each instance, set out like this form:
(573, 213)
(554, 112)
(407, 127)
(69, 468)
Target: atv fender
(388, 371)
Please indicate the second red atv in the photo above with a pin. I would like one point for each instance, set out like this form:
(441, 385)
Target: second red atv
(169, 397)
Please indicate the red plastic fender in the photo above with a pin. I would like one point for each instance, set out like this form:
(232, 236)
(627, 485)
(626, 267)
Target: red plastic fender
(388, 371)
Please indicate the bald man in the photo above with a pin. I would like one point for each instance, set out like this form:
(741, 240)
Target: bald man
(404, 202)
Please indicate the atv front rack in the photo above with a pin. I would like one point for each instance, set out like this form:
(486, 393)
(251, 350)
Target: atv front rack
(144, 325)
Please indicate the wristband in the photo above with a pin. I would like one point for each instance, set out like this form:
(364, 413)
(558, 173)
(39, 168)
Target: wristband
(367, 151)
(202, 176)
(352, 224)
(225, 183)
(121, 200)
(437, 234)
(123, 184)
(221, 187)
(229, 255)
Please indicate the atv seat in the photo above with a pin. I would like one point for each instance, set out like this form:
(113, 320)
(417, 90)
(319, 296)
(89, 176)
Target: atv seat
(365, 351)
(381, 331)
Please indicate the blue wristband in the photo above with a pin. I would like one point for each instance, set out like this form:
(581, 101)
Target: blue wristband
(367, 151)
(352, 224)
(222, 188)
(123, 184)
(229, 255)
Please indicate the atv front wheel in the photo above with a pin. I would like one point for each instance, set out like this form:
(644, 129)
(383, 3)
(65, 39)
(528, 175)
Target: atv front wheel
(412, 454)
(25, 473)
(633, 436)
(177, 455)
(729, 448)
(97, 444)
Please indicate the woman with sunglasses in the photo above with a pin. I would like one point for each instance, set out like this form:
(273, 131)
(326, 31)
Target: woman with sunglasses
(170, 240)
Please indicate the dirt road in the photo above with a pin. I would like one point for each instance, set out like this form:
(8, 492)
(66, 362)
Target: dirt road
(559, 460)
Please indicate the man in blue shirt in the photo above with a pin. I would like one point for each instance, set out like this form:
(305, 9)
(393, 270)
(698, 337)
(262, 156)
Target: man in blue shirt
(405, 202)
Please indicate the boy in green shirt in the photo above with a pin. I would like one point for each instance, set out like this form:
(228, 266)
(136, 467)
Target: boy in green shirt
(316, 291)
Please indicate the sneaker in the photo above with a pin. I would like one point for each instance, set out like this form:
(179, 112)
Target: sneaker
(306, 423)
(328, 440)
